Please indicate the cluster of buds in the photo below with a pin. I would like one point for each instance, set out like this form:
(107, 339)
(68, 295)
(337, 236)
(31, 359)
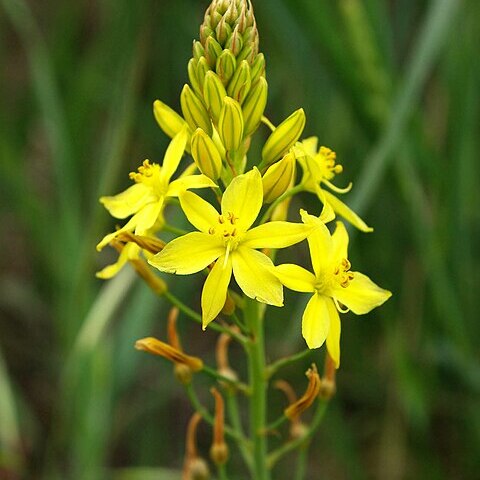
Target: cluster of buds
(225, 100)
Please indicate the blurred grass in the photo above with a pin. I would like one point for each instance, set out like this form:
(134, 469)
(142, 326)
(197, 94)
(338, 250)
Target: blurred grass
(392, 87)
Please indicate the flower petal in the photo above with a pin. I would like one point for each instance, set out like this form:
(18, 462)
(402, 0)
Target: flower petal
(214, 293)
(333, 337)
(244, 198)
(140, 222)
(316, 321)
(276, 235)
(295, 277)
(189, 181)
(361, 295)
(319, 243)
(174, 154)
(147, 216)
(188, 254)
(198, 211)
(127, 202)
(346, 212)
(253, 273)
(130, 251)
(340, 242)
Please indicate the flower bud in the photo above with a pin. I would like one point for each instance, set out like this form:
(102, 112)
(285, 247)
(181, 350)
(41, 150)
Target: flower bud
(202, 69)
(278, 177)
(193, 77)
(241, 82)
(223, 30)
(214, 93)
(198, 470)
(283, 137)
(230, 124)
(226, 65)
(248, 53)
(168, 119)
(212, 51)
(198, 50)
(254, 106)
(206, 155)
(194, 111)
(235, 42)
(258, 67)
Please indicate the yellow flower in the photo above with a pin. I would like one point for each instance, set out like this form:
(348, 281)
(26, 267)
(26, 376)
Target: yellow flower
(227, 238)
(145, 200)
(334, 286)
(321, 167)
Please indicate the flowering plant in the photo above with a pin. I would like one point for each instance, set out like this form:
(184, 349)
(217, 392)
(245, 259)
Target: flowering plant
(240, 221)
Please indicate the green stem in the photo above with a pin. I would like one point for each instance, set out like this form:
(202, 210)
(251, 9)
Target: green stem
(283, 362)
(173, 229)
(279, 200)
(277, 423)
(197, 317)
(221, 378)
(275, 456)
(222, 472)
(301, 469)
(258, 385)
(198, 407)
(234, 416)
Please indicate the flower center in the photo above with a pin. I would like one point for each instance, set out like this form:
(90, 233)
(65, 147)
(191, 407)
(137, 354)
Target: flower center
(342, 273)
(327, 158)
(226, 227)
(149, 174)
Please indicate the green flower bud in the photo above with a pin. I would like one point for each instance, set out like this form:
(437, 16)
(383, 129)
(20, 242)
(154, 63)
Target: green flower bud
(193, 77)
(283, 137)
(212, 51)
(258, 67)
(278, 177)
(213, 93)
(226, 64)
(254, 106)
(241, 82)
(194, 111)
(218, 143)
(235, 42)
(223, 30)
(205, 32)
(230, 124)
(168, 119)
(206, 155)
(248, 53)
(198, 50)
(202, 69)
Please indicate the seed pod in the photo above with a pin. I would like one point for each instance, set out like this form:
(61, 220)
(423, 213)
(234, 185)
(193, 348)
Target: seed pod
(226, 65)
(283, 137)
(194, 111)
(206, 155)
(241, 82)
(277, 178)
(230, 124)
(254, 106)
(214, 93)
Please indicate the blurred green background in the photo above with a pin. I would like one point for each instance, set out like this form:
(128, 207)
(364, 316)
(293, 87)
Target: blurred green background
(392, 86)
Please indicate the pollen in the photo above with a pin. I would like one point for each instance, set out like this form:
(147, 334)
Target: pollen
(343, 274)
(328, 158)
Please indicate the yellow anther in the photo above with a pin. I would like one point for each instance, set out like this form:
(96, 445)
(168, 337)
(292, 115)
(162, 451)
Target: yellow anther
(211, 231)
(221, 219)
